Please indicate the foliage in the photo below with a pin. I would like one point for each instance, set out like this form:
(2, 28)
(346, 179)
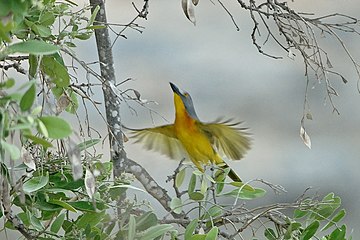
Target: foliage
(203, 202)
(54, 188)
(42, 169)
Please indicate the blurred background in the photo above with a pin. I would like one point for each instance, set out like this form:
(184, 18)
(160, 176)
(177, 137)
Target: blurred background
(226, 76)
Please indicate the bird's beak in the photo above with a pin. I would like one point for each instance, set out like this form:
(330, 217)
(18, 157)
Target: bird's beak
(175, 89)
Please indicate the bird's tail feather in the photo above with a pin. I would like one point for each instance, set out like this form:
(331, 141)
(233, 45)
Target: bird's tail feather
(232, 174)
(223, 165)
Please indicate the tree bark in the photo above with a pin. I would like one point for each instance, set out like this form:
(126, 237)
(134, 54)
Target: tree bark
(120, 161)
(112, 100)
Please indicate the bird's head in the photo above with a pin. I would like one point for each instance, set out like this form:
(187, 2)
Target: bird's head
(183, 101)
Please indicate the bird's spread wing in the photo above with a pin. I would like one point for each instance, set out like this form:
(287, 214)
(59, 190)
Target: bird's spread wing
(228, 138)
(161, 139)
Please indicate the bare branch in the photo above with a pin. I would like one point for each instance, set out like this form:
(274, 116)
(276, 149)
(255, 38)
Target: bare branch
(149, 183)
(6, 204)
(141, 14)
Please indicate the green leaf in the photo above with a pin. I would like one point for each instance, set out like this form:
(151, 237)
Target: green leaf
(338, 233)
(93, 16)
(11, 149)
(156, 231)
(329, 197)
(24, 217)
(340, 215)
(198, 237)
(57, 91)
(196, 196)
(42, 128)
(220, 176)
(56, 127)
(180, 177)
(332, 201)
(56, 225)
(87, 144)
(83, 36)
(176, 205)
(47, 18)
(190, 229)
(36, 183)
(294, 226)
(28, 98)
(242, 185)
(42, 31)
(126, 186)
(16, 97)
(300, 213)
(33, 65)
(5, 31)
(327, 207)
(70, 44)
(204, 186)
(57, 190)
(63, 204)
(192, 183)
(270, 234)
(219, 187)
(20, 167)
(55, 70)
(74, 103)
(9, 83)
(212, 234)
(213, 212)
(310, 231)
(68, 226)
(35, 47)
(323, 213)
(90, 218)
(145, 221)
(87, 206)
(21, 126)
(246, 194)
(36, 110)
(38, 140)
(132, 228)
(35, 222)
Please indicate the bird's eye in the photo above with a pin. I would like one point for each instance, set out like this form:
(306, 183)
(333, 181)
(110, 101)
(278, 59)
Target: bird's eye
(186, 94)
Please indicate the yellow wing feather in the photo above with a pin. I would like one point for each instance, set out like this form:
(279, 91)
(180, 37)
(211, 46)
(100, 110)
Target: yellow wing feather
(227, 138)
(161, 139)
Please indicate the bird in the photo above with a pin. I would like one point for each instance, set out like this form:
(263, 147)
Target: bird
(202, 143)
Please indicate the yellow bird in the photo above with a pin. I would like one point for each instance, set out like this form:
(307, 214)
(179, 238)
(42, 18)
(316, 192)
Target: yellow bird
(201, 142)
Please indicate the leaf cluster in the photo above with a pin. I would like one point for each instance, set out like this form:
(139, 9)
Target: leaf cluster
(61, 189)
(209, 215)
(308, 218)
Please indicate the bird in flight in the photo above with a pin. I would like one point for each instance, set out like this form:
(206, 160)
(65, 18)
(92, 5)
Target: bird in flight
(202, 143)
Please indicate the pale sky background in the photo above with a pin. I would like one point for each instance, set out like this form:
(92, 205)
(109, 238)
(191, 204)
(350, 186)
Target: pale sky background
(226, 76)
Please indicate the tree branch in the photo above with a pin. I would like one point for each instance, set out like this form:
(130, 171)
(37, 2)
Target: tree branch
(150, 185)
(6, 203)
(112, 101)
